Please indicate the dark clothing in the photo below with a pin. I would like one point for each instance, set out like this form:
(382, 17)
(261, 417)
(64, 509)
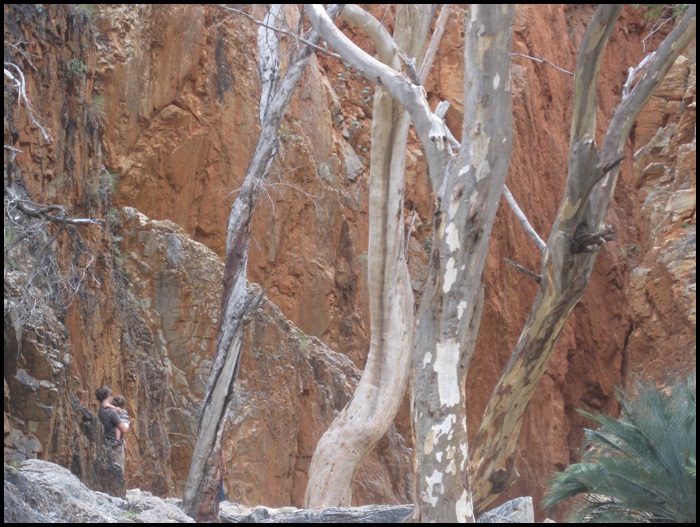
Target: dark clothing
(109, 419)
(109, 468)
(222, 493)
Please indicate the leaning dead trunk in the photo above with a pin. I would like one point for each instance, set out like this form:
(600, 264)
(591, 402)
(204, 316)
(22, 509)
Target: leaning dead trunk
(450, 311)
(201, 489)
(571, 250)
(370, 413)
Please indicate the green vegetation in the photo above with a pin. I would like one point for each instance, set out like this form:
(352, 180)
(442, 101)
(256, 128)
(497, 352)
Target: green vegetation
(108, 182)
(361, 259)
(76, 68)
(428, 244)
(662, 11)
(9, 233)
(629, 251)
(303, 340)
(640, 467)
(97, 106)
(89, 10)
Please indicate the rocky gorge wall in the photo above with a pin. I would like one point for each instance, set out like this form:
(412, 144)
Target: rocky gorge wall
(156, 136)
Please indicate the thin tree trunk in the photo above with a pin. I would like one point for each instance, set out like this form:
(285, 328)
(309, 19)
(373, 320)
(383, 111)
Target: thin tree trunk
(370, 413)
(450, 311)
(199, 500)
(571, 250)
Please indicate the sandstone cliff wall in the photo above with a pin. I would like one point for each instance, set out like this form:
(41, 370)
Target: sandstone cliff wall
(165, 121)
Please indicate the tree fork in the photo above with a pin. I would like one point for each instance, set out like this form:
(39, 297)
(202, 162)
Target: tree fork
(566, 272)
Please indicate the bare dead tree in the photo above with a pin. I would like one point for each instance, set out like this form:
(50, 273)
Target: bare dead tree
(201, 489)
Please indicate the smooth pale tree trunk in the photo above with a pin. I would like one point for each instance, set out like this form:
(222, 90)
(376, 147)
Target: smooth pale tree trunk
(467, 191)
(200, 498)
(571, 251)
(450, 311)
(370, 413)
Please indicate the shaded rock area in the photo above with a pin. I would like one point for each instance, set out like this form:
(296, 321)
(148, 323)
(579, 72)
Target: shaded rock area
(165, 289)
(662, 290)
(233, 513)
(43, 492)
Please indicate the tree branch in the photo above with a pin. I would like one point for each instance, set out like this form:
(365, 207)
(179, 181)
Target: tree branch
(583, 121)
(19, 84)
(627, 112)
(397, 85)
(434, 45)
(540, 59)
(386, 47)
(531, 232)
(537, 278)
(295, 36)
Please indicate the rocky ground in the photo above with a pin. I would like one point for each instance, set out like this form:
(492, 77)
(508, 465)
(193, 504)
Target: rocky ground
(41, 492)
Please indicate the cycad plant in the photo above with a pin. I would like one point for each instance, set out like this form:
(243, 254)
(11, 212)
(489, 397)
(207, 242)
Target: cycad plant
(639, 467)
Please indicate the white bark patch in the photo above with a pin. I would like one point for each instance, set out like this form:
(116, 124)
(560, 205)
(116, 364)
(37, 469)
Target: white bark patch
(438, 456)
(452, 237)
(429, 443)
(460, 309)
(463, 451)
(432, 482)
(446, 361)
(464, 171)
(445, 428)
(463, 509)
(479, 149)
(450, 275)
(426, 360)
(496, 81)
(451, 468)
(483, 170)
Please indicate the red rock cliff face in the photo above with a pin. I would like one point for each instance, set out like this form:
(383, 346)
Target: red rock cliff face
(169, 105)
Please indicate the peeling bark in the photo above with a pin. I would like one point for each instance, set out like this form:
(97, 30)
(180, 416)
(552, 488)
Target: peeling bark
(450, 311)
(567, 266)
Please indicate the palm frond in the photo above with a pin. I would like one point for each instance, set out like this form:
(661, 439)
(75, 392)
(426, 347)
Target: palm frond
(639, 467)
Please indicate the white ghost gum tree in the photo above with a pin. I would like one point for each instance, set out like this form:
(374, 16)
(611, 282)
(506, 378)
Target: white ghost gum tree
(573, 244)
(468, 188)
(467, 191)
(370, 413)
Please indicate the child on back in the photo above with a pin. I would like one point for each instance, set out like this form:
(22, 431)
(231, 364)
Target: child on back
(119, 404)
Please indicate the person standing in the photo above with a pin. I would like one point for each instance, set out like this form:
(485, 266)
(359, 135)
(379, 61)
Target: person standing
(110, 451)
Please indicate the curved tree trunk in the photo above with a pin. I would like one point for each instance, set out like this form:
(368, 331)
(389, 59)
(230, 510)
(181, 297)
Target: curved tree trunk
(571, 250)
(370, 413)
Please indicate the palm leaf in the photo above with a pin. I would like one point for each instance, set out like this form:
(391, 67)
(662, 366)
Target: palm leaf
(639, 467)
